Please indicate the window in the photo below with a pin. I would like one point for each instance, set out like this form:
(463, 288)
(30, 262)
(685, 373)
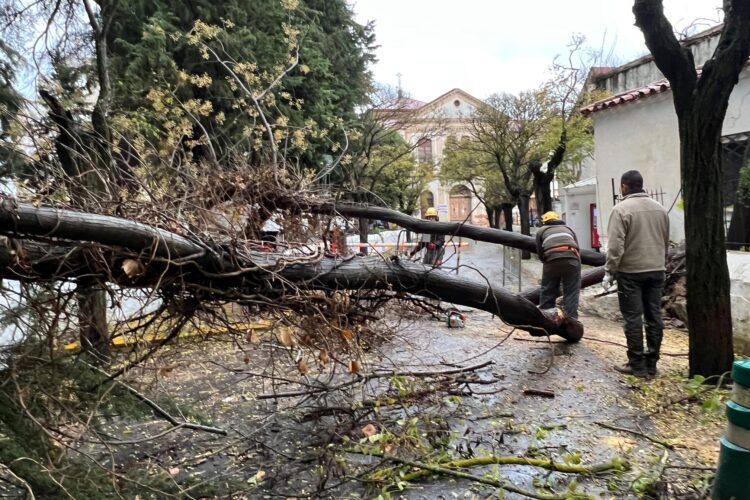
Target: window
(424, 150)
(735, 155)
(426, 200)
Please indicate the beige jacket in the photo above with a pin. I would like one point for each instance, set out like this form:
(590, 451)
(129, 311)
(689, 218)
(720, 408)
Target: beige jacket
(637, 236)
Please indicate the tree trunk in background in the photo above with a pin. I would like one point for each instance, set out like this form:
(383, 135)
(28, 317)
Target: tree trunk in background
(92, 318)
(498, 214)
(364, 231)
(490, 216)
(708, 301)
(701, 102)
(523, 208)
(508, 216)
(543, 192)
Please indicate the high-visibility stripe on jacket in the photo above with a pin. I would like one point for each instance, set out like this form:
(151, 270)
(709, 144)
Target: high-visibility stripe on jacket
(556, 240)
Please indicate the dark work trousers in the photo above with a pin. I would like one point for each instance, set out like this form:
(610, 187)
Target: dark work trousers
(565, 271)
(639, 295)
(433, 257)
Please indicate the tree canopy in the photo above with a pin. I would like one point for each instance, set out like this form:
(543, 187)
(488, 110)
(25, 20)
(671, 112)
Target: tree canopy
(322, 53)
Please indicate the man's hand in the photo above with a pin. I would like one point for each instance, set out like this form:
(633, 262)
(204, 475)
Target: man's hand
(607, 282)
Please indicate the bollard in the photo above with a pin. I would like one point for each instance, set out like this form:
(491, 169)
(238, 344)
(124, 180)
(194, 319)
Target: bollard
(731, 481)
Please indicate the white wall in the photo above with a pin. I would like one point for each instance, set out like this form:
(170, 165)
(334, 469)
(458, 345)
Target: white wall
(739, 270)
(639, 136)
(643, 136)
(576, 202)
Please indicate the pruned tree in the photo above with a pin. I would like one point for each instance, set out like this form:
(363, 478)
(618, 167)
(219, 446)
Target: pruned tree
(463, 164)
(508, 130)
(568, 134)
(701, 97)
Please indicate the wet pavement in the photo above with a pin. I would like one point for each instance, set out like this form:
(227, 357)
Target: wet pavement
(300, 444)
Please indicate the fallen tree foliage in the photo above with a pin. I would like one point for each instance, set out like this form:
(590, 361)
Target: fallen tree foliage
(48, 243)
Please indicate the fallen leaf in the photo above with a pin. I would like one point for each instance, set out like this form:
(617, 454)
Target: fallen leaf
(369, 429)
(166, 369)
(133, 268)
(302, 366)
(323, 357)
(355, 366)
(173, 471)
(286, 338)
(260, 475)
(347, 334)
(246, 359)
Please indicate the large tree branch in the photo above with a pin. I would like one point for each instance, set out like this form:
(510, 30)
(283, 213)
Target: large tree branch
(720, 73)
(673, 60)
(185, 265)
(461, 229)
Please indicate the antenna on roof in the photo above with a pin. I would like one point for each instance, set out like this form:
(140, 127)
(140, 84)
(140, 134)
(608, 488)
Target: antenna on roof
(400, 92)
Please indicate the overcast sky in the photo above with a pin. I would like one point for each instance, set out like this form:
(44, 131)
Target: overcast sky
(487, 46)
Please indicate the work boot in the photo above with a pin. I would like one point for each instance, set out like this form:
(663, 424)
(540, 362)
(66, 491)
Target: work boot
(651, 359)
(635, 366)
(626, 369)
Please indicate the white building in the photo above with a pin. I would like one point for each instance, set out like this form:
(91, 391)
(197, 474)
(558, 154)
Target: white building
(427, 125)
(636, 129)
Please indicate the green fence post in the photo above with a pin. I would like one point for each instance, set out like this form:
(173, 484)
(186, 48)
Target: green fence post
(732, 481)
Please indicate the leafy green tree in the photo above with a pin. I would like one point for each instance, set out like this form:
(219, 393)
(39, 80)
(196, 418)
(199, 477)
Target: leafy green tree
(402, 180)
(464, 163)
(508, 130)
(316, 45)
(11, 101)
(567, 138)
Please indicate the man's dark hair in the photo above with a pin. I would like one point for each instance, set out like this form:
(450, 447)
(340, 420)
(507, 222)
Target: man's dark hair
(633, 180)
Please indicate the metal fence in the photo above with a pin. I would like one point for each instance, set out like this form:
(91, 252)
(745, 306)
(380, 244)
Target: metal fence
(657, 194)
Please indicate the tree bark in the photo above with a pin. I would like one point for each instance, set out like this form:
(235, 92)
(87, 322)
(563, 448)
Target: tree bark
(364, 232)
(508, 216)
(523, 208)
(181, 264)
(708, 301)
(701, 103)
(492, 216)
(543, 193)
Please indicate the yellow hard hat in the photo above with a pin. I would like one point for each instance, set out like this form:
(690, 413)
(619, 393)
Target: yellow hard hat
(550, 216)
(431, 212)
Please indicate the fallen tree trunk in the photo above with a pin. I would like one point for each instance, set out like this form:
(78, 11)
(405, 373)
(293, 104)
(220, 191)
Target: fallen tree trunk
(479, 233)
(55, 244)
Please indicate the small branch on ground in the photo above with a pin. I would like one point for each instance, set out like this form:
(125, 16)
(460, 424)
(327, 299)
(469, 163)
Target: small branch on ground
(665, 444)
(538, 392)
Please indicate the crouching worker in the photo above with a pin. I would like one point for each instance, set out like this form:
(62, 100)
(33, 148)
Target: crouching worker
(557, 247)
(432, 243)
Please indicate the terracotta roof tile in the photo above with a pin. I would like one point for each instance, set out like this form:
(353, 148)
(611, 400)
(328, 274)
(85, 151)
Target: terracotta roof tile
(627, 96)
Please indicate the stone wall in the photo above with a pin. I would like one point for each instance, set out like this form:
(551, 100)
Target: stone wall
(739, 272)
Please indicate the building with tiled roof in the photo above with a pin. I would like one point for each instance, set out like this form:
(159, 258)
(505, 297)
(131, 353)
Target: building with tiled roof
(427, 125)
(635, 127)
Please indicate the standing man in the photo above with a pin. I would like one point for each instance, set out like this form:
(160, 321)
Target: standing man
(433, 243)
(557, 247)
(638, 241)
